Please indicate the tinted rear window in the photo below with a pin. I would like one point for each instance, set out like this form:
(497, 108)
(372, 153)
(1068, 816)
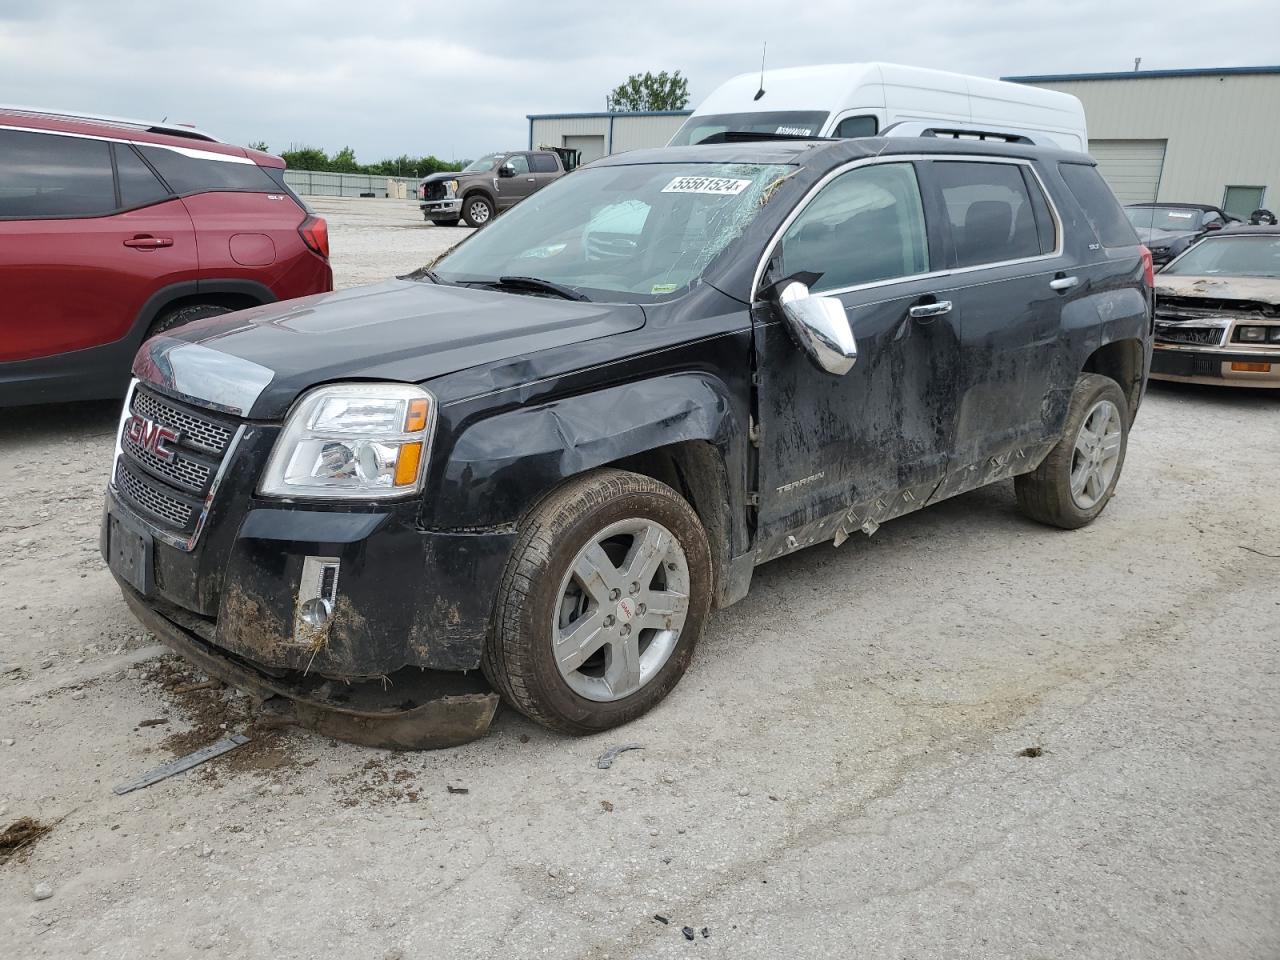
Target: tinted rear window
(138, 185)
(187, 174)
(1099, 204)
(46, 175)
(990, 209)
(543, 163)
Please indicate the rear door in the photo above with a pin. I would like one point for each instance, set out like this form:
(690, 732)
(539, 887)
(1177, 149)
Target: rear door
(87, 235)
(545, 168)
(877, 438)
(1010, 281)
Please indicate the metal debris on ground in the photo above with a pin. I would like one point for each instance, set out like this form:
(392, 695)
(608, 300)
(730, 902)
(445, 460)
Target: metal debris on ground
(688, 932)
(153, 722)
(452, 789)
(706, 932)
(607, 758)
(182, 764)
(661, 919)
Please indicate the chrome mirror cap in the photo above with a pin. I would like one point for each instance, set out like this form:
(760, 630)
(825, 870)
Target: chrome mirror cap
(819, 325)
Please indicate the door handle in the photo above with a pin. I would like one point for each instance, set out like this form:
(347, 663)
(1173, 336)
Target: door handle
(1064, 283)
(149, 243)
(927, 311)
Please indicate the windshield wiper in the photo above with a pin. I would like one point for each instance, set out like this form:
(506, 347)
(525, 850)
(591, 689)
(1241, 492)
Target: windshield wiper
(537, 283)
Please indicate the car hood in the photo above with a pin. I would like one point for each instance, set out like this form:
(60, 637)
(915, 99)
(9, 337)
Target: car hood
(255, 363)
(1257, 289)
(451, 175)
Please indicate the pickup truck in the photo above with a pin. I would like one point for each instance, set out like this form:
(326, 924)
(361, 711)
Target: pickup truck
(487, 186)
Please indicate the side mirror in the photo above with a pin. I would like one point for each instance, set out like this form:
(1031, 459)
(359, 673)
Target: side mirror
(819, 325)
(506, 171)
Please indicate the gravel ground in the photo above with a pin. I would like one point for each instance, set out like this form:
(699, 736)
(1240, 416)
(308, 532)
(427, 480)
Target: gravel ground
(843, 772)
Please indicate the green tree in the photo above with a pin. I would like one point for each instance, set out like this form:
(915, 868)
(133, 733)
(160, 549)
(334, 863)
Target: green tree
(306, 158)
(259, 145)
(344, 161)
(648, 91)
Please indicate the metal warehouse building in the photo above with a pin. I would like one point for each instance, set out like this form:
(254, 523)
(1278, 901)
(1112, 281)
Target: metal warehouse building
(1190, 136)
(597, 134)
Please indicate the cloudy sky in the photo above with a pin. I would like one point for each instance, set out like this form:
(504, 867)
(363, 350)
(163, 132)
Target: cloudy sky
(457, 79)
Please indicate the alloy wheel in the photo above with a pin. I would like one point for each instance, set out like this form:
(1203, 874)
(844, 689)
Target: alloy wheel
(1097, 454)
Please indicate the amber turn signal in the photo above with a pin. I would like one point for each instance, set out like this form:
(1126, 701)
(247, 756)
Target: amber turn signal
(407, 464)
(1251, 367)
(415, 420)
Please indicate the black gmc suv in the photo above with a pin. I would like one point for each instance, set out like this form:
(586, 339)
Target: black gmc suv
(552, 452)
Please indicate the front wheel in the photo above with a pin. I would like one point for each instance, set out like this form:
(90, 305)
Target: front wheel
(602, 603)
(477, 210)
(1078, 477)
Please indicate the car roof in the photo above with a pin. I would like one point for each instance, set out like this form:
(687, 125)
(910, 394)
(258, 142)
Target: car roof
(820, 152)
(128, 131)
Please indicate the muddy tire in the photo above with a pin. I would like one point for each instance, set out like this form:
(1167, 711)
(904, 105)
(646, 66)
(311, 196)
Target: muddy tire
(1078, 477)
(477, 210)
(601, 604)
(181, 315)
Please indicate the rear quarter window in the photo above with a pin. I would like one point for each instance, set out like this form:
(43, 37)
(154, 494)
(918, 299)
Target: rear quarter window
(1100, 205)
(188, 174)
(543, 163)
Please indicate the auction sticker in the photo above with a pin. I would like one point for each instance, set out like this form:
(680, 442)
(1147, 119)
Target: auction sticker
(724, 186)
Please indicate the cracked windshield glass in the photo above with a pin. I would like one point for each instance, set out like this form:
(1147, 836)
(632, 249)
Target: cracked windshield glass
(632, 233)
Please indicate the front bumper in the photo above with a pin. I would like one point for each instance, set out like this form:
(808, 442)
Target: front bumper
(412, 710)
(442, 209)
(1214, 365)
(402, 597)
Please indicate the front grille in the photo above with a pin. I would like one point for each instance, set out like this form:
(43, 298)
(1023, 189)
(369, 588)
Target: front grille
(433, 191)
(153, 501)
(1198, 336)
(172, 491)
(197, 431)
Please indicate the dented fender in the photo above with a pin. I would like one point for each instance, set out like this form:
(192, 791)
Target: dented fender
(497, 467)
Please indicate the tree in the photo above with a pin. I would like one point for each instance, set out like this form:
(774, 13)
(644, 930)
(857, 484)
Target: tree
(648, 91)
(344, 161)
(259, 145)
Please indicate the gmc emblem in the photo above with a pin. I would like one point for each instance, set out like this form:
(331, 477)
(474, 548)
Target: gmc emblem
(150, 436)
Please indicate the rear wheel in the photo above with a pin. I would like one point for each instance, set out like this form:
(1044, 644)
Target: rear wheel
(602, 603)
(182, 315)
(477, 210)
(1078, 477)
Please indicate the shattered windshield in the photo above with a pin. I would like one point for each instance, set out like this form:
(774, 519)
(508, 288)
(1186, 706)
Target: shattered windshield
(1164, 218)
(1230, 257)
(790, 123)
(483, 163)
(633, 233)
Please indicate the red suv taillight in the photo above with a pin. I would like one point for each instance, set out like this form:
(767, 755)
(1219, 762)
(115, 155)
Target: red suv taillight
(1148, 268)
(315, 234)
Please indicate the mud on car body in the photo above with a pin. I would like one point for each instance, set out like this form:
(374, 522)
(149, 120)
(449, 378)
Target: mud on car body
(552, 453)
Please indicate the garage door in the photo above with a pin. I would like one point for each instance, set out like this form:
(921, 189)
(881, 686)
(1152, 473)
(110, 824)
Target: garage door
(591, 148)
(1132, 167)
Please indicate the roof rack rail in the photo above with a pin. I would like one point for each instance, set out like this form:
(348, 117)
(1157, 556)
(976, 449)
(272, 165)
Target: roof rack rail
(925, 128)
(750, 136)
(169, 129)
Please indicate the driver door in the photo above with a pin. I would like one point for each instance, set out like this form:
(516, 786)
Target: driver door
(875, 440)
(511, 190)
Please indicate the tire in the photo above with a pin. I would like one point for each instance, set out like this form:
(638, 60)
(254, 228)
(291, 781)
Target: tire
(1047, 494)
(446, 223)
(536, 603)
(182, 315)
(477, 210)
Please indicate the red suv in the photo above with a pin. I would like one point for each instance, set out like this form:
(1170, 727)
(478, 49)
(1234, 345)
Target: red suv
(114, 230)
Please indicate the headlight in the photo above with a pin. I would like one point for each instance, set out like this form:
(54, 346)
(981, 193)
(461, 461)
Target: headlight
(1274, 337)
(1251, 334)
(353, 441)
(451, 187)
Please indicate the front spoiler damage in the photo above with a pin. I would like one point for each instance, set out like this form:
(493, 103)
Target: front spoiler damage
(418, 710)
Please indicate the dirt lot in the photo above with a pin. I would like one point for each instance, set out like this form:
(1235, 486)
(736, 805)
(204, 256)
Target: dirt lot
(844, 771)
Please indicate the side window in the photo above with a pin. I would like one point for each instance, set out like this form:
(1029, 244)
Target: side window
(1100, 205)
(857, 127)
(543, 163)
(138, 185)
(47, 175)
(193, 174)
(990, 210)
(519, 162)
(865, 225)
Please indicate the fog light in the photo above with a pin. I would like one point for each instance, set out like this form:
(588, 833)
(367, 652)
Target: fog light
(316, 612)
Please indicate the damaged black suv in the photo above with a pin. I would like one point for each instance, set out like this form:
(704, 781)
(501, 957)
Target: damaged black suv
(553, 452)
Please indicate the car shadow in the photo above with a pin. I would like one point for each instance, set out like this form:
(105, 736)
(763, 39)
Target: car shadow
(59, 421)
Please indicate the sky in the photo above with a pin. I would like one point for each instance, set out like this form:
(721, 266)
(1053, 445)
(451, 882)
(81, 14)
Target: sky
(457, 80)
